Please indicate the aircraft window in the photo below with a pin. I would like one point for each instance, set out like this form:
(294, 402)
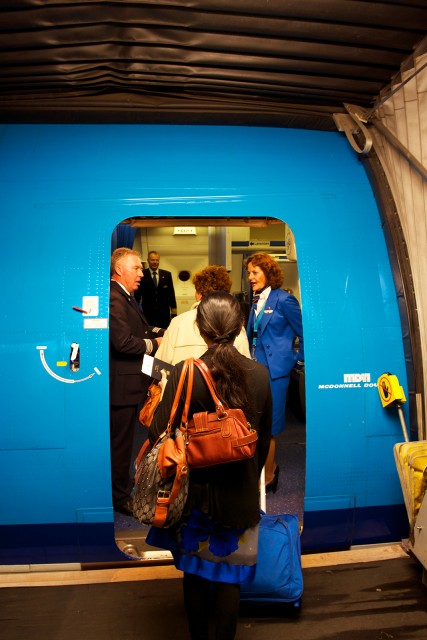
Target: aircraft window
(184, 276)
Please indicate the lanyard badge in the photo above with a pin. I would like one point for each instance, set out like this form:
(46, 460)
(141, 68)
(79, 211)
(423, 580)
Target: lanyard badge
(257, 320)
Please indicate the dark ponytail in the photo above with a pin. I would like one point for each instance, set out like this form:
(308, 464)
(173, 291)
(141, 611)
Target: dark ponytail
(220, 320)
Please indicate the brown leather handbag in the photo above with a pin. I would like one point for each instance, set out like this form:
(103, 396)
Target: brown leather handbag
(219, 437)
(150, 405)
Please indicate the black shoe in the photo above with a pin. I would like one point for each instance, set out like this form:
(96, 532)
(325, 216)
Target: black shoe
(125, 507)
(272, 486)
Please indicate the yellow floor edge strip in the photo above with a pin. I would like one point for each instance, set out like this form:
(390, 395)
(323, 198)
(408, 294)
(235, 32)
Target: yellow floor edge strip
(96, 576)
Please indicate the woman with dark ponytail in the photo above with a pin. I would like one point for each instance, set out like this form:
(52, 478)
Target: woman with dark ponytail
(215, 544)
(218, 320)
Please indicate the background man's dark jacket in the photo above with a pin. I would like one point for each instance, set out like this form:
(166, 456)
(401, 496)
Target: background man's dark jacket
(157, 303)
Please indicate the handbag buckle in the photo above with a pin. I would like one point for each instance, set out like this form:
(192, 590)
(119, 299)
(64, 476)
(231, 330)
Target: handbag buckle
(163, 493)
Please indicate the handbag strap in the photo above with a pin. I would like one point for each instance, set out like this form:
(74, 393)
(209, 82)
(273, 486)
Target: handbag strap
(187, 367)
(184, 417)
(219, 406)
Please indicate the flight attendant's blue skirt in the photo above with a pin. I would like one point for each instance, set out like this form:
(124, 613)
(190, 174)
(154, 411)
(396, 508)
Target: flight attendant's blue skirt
(279, 391)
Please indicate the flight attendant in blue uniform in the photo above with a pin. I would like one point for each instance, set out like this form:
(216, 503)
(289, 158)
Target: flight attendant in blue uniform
(275, 323)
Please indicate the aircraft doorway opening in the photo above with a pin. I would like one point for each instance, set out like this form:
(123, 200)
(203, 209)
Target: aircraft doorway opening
(185, 247)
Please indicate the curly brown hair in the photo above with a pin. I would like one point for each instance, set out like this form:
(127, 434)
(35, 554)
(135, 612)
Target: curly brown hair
(269, 267)
(212, 278)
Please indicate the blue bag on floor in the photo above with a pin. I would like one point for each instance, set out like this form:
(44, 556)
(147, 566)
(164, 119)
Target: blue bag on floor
(278, 576)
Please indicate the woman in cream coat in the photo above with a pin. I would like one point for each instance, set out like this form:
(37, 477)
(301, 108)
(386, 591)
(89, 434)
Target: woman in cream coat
(182, 338)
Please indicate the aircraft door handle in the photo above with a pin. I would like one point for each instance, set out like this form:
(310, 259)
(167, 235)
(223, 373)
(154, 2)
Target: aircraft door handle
(75, 357)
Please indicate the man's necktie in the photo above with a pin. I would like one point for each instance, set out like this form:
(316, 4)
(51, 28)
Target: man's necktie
(135, 304)
(155, 279)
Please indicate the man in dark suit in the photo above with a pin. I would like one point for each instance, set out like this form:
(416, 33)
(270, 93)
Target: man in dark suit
(156, 293)
(131, 338)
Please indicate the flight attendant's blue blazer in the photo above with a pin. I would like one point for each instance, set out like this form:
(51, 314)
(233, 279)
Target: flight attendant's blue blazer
(280, 323)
